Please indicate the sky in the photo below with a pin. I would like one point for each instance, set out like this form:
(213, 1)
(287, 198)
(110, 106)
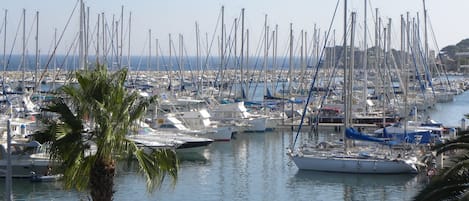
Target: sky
(447, 21)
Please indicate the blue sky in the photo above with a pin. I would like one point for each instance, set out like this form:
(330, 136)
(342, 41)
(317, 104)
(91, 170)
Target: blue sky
(179, 16)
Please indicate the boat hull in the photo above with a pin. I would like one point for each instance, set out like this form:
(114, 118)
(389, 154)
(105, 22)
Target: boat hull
(24, 168)
(353, 165)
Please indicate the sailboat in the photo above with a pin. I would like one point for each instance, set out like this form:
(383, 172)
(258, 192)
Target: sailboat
(366, 160)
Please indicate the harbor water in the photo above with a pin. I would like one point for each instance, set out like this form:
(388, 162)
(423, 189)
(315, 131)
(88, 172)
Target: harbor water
(254, 166)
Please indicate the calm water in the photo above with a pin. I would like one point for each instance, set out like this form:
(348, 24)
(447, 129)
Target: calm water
(254, 166)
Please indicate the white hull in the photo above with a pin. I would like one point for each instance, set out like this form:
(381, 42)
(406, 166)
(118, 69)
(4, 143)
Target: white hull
(258, 124)
(23, 168)
(353, 165)
(222, 134)
(45, 178)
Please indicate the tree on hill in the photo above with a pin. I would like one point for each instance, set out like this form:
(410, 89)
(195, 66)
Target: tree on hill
(451, 50)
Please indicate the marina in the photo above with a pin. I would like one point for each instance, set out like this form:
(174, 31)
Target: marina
(321, 116)
(254, 166)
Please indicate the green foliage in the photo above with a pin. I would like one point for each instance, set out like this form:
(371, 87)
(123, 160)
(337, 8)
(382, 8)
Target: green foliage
(451, 50)
(89, 136)
(451, 183)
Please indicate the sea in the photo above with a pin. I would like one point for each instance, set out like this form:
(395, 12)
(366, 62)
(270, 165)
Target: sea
(16, 62)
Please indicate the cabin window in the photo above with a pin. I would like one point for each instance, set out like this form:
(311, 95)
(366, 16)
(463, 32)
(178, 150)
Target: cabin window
(167, 126)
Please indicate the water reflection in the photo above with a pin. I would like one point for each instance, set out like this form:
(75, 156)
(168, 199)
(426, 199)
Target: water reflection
(339, 186)
(24, 189)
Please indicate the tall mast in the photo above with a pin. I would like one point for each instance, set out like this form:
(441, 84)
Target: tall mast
(181, 65)
(235, 48)
(23, 54)
(425, 32)
(247, 53)
(345, 93)
(351, 68)
(120, 47)
(302, 67)
(55, 57)
(274, 51)
(377, 47)
(222, 41)
(87, 37)
(170, 68)
(384, 74)
(149, 50)
(404, 68)
(4, 47)
(37, 52)
(103, 33)
(242, 52)
(129, 59)
(365, 58)
(266, 54)
(290, 61)
(8, 175)
(197, 53)
(157, 54)
(97, 40)
(81, 56)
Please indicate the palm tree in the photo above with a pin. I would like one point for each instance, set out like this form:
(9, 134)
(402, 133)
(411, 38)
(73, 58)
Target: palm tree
(451, 183)
(88, 137)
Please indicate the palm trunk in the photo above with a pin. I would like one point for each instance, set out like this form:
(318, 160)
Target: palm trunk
(102, 180)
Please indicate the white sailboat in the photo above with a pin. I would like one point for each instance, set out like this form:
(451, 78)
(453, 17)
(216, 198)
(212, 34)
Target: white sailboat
(347, 160)
(352, 163)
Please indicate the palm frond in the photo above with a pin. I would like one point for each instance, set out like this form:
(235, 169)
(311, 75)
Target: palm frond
(157, 165)
(101, 98)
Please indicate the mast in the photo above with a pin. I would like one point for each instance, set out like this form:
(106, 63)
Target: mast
(222, 42)
(23, 56)
(128, 45)
(149, 50)
(4, 48)
(274, 51)
(351, 68)
(247, 54)
(345, 87)
(170, 68)
(425, 32)
(266, 54)
(365, 59)
(103, 33)
(290, 61)
(113, 32)
(235, 48)
(81, 56)
(302, 67)
(345, 94)
(242, 53)
(36, 84)
(120, 47)
(197, 64)
(8, 175)
(87, 37)
(55, 58)
(404, 68)
(181, 65)
(157, 55)
(385, 77)
(97, 40)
